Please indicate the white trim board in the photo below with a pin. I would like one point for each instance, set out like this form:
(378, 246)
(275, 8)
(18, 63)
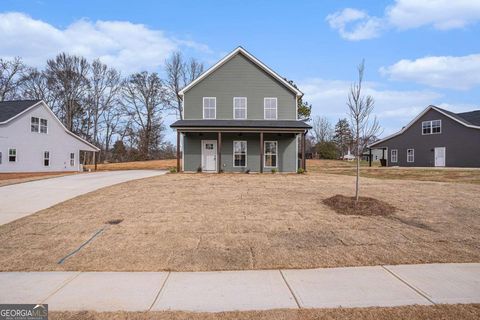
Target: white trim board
(260, 64)
(430, 107)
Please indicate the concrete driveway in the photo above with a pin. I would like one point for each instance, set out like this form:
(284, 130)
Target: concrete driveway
(23, 199)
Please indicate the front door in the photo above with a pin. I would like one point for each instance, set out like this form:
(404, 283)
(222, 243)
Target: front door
(209, 155)
(440, 157)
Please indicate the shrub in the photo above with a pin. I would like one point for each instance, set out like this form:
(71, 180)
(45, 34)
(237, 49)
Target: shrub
(199, 169)
(327, 150)
(300, 171)
(274, 170)
(247, 171)
(173, 170)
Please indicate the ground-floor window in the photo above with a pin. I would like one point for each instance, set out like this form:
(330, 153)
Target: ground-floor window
(12, 155)
(239, 153)
(410, 155)
(271, 153)
(72, 159)
(46, 158)
(394, 157)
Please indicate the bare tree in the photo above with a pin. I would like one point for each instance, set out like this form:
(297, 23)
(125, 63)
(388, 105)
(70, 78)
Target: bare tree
(11, 76)
(112, 120)
(105, 85)
(145, 97)
(67, 78)
(360, 109)
(34, 86)
(322, 129)
(179, 74)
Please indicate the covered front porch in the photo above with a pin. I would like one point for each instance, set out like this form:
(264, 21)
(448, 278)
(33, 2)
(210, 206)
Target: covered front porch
(240, 149)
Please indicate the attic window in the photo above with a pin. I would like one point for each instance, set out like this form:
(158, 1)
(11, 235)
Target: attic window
(34, 124)
(43, 126)
(431, 127)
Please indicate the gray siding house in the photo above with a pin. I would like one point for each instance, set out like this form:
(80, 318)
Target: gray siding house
(435, 138)
(240, 116)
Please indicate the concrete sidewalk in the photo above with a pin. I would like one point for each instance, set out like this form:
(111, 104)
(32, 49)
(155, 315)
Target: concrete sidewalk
(245, 290)
(23, 199)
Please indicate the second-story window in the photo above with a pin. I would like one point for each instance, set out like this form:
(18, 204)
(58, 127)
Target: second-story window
(431, 127)
(240, 108)
(209, 107)
(34, 124)
(43, 126)
(270, 108)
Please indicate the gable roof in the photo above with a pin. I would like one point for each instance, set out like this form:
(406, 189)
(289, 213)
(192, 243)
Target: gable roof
(469, 119)
(11, 109)
(261, 65)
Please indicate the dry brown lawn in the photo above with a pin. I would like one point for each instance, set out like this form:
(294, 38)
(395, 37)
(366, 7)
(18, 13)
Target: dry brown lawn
(135, 165)
(437, 312)
(458, 175)
(13, 178)
(192, 222)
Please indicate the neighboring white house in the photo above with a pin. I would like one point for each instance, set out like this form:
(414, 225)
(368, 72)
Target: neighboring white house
(32, 139)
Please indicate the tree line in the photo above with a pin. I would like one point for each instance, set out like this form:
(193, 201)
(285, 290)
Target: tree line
(122, 115)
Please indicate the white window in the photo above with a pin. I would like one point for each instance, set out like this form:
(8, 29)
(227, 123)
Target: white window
(46, 158)
(72, 159)
(12, 155)
(209, 108)
(239, 108)
(43, 126)
(239, 153)
(394, 157)
(410, 155)
(34, 124)
(270, 154)
(431, 127)
(270, 108)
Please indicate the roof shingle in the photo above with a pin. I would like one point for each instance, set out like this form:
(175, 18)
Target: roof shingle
(9, 109)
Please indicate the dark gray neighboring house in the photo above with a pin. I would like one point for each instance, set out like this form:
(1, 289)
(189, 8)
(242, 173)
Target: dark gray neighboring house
(435, 138)
(239, 116)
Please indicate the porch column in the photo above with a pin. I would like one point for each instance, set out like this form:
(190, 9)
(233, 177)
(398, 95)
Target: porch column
(178, 151)
(369, 157)
(303, 152)
(219, 152)
(261, 152)
(95, 159)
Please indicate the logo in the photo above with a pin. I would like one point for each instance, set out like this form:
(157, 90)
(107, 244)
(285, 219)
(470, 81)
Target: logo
(23, 311)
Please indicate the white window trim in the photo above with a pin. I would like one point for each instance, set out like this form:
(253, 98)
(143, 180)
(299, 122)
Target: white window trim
(431, 127)
(246, 108)
(246, 153)
(413, 155)
(45, 158)
(396, 155)
(265, 109)
(16, 155)
(265, 154)
(215, 109)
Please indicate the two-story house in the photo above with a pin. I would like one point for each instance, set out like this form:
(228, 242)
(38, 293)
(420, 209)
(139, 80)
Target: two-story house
(240, 116)
(32, 139)
(435, 138)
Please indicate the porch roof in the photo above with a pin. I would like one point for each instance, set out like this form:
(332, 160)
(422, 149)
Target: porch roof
(241, 124)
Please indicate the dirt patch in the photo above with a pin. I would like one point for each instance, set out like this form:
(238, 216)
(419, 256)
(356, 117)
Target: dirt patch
(114, 221)
(437, 312)
(365, 206)
(136, 165)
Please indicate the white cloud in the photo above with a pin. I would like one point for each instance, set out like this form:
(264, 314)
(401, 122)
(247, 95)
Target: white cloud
(441, 14)
(461, 73)
(122, 44)
(354, 24)
(394, 108)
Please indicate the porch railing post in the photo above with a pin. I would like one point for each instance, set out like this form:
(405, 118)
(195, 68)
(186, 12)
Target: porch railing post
(178, 151)
(219, 152)
(261, 152)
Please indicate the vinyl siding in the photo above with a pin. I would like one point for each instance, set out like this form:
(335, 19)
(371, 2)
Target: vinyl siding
(239, 77)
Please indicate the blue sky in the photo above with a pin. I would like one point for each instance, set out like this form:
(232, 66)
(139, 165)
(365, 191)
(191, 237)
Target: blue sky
(417, 52)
